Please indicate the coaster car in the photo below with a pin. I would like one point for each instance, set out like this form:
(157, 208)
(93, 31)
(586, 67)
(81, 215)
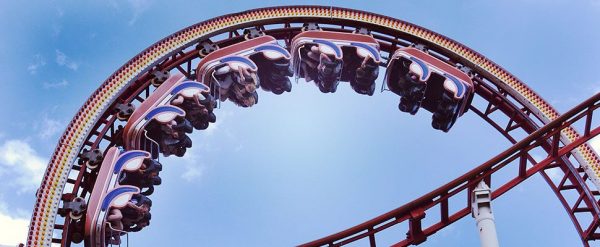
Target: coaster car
(145, 178)
(422, 80)
(160, 123)
(329, 57)
(109, 197)
(234, 72)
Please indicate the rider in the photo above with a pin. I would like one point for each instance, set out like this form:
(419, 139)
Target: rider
(114, 219)
(136, 211)
(145, 177)
(145, 221)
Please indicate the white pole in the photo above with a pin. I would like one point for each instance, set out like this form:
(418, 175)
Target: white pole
(482, 212)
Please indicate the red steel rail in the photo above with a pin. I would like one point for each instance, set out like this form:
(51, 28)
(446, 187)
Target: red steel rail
(518, 155)
(517, 115)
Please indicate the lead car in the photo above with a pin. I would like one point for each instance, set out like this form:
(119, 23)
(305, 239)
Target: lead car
(422, 80)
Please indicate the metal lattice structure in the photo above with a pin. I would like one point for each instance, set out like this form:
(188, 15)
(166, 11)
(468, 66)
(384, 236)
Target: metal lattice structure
(516, 107)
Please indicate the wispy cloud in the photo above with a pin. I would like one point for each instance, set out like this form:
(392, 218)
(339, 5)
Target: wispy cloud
(193, 168)
(56, 26)
(213, 127)
(192, 172)
(22, 164)
(13, 228)
(194, 165)
(49, 127)
(63, 83)
(38, 62)
(63, 60)
(555, 174)
(138, 7)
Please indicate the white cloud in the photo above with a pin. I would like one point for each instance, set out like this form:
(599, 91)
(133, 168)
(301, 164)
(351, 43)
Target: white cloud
(63, 83)
(213, 127)
(555, 174)
(73, 66)
(192, 172)
(49, 127)
(63, 60)
(194, 165)
(138, 7)
(38, 62)
(193, 169)
(13, 229)
(23, 165)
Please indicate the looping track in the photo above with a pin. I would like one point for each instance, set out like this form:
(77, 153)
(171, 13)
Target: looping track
(508, 105)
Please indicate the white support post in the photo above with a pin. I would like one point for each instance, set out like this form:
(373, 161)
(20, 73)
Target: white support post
(481, 207)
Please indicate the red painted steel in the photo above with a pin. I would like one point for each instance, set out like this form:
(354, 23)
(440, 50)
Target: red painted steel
(519, 117)
(414, 212)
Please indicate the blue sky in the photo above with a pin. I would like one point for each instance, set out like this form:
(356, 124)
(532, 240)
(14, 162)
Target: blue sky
(302, 165)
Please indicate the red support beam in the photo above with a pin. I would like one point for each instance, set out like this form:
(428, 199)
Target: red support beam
(416, 210)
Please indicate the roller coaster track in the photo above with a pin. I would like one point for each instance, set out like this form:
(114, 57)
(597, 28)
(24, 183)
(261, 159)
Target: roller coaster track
(503, 101)
(518, 157)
